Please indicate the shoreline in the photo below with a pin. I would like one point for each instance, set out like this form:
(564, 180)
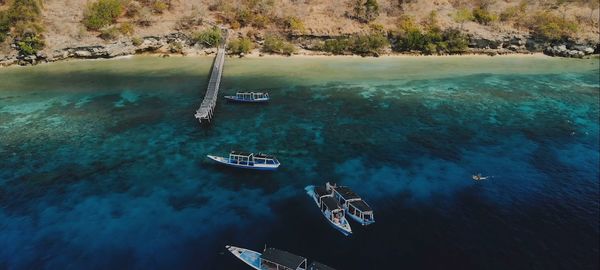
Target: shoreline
(302, 55)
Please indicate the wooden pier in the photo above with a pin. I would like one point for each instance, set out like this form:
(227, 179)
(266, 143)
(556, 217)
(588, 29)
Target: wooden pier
(207, 107)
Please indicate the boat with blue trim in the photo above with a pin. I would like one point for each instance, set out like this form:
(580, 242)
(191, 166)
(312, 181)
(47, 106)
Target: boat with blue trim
(330, 207)
(353, 204)
(247, 160)
(274, 259)
(251, 97)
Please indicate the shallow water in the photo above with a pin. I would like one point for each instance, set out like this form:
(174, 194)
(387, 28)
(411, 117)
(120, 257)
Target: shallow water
(102, 164)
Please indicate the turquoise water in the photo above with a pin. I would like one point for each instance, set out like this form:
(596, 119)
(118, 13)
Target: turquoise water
(102, 164)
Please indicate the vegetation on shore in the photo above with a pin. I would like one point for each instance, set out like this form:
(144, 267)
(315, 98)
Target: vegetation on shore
(208, 38)
(278, 45)
(102, 13)
(364, 27)
(22, 20)
(430, 39)
(240, 46)
(363, 44)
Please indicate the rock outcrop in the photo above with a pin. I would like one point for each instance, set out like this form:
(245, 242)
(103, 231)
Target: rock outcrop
(181, 43)
(570, 49)
(171, 43)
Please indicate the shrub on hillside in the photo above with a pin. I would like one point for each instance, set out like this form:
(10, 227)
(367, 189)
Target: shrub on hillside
(25, 10)
(244, 17)
(110, 33)
(336, 46)
(276, 44)
(484, 16)
(295, 25)
(137, 41)
(126, 28)
(368, 43)
(208, 38)
(462, 16)
(4, 25)
(30, 44)
(364, 44)
(514, 12)
(549, 26)
(260, 21)
(433, 41)
(159, 6)
(133, 9)
(240, 45)
(365, 10)
(102, 13)
(144, 17)
(23, 16)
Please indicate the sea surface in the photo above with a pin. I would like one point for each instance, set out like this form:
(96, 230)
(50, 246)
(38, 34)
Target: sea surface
(103, 165)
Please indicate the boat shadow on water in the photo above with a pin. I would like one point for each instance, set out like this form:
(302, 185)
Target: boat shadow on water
(237, 179)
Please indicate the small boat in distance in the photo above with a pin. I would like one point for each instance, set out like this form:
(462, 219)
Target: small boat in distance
(330, 207)
(248, 161)
(251, 97)
(478, 177)
(355, 207)
(274, 259)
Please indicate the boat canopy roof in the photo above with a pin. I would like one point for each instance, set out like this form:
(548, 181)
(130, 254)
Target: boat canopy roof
(283, 258)
(330, 203)
(346, 193)
(361, 206)
(321, 191)
(319, 266)
(240, 153)
(261, 155)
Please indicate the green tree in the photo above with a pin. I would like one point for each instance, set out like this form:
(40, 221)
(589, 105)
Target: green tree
(102, 13)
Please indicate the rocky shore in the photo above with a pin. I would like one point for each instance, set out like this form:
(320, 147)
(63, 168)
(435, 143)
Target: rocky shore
(180, 43)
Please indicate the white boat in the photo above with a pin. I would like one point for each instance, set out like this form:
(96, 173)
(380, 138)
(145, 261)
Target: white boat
(251, 97)
(250, 257)
(274, 259)
(248, 161)
(330, 207)
(354, 206)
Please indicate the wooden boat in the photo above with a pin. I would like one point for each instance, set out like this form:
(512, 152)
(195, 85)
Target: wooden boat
(274, 259)
(354, 206)
(330, 207)
(248, 161)
(251, 97)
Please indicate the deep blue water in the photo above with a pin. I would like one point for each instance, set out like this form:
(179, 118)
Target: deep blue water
(107, 170)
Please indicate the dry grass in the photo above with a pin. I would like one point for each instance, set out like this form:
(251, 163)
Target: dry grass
(62, 18)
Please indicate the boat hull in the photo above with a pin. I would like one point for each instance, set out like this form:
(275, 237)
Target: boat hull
(258, 100)
(358, 219)
(260, 167)
(345, 231)
(250, 257)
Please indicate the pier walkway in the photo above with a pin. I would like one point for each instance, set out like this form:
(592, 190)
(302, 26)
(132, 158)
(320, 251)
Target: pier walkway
(207, 107)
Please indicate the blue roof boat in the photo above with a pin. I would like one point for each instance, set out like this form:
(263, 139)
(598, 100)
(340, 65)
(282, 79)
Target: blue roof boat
(251, 97)
(273, 259)
(246, 160)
